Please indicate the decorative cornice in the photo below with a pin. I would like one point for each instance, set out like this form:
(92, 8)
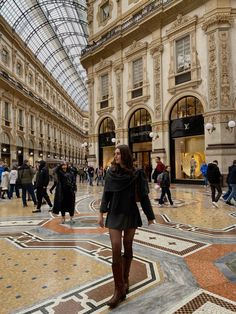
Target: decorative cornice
(136, 47)
(219, 19)
(181, 22)
(103, 64)
(103, 111)
(155, 49)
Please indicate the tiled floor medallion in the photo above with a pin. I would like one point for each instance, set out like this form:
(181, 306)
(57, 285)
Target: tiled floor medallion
(93, 296)
(227, 265)
(207, 304)
(171, 244)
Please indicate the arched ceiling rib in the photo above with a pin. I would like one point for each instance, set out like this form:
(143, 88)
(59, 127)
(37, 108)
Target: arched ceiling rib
(56, 32)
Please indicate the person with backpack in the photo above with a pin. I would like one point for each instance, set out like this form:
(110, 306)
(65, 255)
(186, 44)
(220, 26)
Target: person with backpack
(64, 200)
(164, 180)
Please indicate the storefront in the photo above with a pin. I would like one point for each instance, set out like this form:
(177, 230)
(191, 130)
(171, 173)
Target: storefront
(5, 149)
(187, 140)
(106, 145)
(140, 141)
(19, 150)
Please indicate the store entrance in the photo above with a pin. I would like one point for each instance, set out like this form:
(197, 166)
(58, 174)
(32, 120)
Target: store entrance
(187, 141)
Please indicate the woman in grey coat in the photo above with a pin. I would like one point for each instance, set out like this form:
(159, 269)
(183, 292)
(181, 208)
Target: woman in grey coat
(124, 186)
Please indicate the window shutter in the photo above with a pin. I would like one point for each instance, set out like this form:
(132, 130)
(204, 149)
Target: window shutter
(104, 87)
(138, 73)
(183, 56)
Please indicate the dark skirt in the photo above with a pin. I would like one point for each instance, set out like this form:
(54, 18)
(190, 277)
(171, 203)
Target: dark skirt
(122, 222)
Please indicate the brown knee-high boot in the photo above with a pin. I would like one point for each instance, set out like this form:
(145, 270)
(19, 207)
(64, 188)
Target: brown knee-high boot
(119, 293)
(126, 269)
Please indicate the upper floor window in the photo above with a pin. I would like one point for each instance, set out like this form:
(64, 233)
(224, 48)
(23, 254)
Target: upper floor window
(105, 11)
(20, 117)
(7, 111)
(40, 87)
(47, 93)
(30, 79)
(104, 91)
(183, 60)
(41, 127)
(31, 122)
(19, 69)
(5, 56)
(137, 78)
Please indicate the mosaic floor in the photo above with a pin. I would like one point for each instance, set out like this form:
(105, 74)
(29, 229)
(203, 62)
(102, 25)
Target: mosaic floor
(186, 263)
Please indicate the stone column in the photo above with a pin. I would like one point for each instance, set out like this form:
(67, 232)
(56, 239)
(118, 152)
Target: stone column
(220, 143)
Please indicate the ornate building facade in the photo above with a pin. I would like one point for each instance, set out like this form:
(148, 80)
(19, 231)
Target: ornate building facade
(38, 119)
(162, 79)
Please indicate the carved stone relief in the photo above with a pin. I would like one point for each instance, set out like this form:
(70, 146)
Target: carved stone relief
(118, 72)
(225, 72)
(90, 83)
(156, 53)
(212, 71)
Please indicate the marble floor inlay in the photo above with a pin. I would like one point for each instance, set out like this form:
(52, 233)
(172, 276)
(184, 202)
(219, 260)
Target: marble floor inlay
(186, 263)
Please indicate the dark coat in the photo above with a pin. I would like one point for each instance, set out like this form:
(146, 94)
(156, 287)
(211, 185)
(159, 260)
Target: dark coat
(42, 178)
(232, 175)
(119, 193)
(64, 199)
(213, 173)
(165, 182)
(25, 174)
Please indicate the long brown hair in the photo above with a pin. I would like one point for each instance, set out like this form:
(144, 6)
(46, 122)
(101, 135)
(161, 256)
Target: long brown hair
(126, 159)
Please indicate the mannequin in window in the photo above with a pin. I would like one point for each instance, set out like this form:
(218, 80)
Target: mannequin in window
(193, 166)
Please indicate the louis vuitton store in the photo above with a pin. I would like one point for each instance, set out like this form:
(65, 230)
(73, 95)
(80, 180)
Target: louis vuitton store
(187, 140)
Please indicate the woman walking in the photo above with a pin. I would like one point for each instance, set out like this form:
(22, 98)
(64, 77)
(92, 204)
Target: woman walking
(123, 186)
(165, 187)
(64, 200)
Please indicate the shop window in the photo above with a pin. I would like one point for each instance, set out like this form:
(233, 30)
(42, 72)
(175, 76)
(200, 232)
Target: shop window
(139, 118)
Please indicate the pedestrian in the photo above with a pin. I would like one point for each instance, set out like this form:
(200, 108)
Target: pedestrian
(165, 186)
(25, 177)
(13, 182)
(203, 170)
(226, 195)
(232, 183)
(100, 175)
(214, 178)
(5, 181)
(123, 184)
(64, 200)
(90, 175)
(157, 171)
(42, 180)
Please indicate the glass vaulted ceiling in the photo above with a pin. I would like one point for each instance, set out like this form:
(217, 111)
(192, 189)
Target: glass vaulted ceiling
(56, 32)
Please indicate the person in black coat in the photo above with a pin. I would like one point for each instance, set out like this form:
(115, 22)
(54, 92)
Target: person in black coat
(214, 178)
(165, 187)
(42, 180)
(64, 200)
(124, 186)
(232, 183)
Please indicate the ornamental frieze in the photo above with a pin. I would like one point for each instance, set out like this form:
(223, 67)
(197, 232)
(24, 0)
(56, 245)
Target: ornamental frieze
(212, 71)
(217, 20)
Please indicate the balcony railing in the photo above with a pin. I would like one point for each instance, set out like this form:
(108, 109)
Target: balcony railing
(120, 29)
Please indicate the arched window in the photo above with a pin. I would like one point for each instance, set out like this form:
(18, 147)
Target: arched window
(140, 117)
(19, 141)
(106, 126)
(5, 139)
(186, 107)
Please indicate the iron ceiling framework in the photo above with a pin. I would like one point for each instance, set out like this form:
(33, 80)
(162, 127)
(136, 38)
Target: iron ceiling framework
(56, 32)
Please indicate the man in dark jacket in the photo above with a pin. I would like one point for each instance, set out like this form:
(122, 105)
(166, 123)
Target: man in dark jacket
(42, 180)
(226, 195)
(214, 178)
(232, 183)
(25, 177)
